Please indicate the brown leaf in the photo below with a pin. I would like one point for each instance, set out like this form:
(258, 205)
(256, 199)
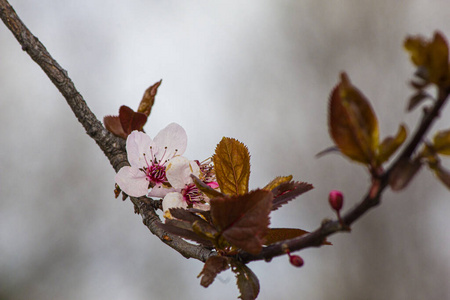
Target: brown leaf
(205, 189)
(352, 122)
(232, 166)
(402, 175)
(112, 124)
(391, 144)
(246, 280)
(243, 220)
(183, 229)
(416, 99)
(213, 266)
(281, 234)
(288, 191)
(148, 99)
(131, 120)
(276, 235)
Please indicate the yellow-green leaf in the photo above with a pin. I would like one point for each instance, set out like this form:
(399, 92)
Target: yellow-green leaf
(417, 48)
(148, 99)
(391, 144)
(438, 64)
(232, 166)
(431, 56)
(441, 142)
(352, 122)
(277, 181)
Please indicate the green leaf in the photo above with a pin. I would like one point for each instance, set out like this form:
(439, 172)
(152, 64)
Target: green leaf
(148, 99)
(391, 144)
(246, 280)
(232, 166)
(441, 142)
(352, 123)
(213, 266)
(243, 220)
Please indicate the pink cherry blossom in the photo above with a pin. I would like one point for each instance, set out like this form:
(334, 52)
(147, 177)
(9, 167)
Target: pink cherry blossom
(148, 160)
(186, 193)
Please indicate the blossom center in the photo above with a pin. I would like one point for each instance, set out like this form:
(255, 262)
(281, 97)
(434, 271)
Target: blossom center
(191, 194)
(154, 172)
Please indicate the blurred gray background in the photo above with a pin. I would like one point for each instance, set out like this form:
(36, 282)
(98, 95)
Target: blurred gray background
(259, 71)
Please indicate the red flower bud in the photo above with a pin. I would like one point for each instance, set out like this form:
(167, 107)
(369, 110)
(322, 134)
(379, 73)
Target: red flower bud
(336, 200)
(296, 260)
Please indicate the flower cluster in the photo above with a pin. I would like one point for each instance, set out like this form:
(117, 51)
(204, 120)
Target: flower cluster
(158, 169)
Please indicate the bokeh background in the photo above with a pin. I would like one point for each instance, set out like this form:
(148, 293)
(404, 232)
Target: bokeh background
(259, 71)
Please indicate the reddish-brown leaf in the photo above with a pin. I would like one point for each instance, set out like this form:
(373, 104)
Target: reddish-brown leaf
(213, 266)
(131, 120)
(243, 220)
(352, 122)
(288, 191)
(246, 280)
(112, 124)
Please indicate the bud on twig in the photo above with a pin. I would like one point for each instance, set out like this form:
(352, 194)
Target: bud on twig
(336, 200)
(295, 260)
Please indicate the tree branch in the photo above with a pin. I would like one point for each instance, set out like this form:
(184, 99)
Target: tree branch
(112, 146)
(114, 149)
(372, 198)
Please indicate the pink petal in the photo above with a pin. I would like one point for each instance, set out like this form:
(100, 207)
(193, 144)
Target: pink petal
(132, 181)
(179, 170)
(159, 191)
(138, 144)
(174, 137)
(172, 200)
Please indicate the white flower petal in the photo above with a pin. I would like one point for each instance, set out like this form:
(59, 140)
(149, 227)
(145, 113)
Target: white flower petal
(172, 200)
(178, 172)
(201, 206)
(138, 144)
(132, 181)
(159, 191)
(174, 137)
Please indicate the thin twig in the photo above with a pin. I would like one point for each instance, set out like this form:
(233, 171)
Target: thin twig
(112, 146)
(114, 149)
